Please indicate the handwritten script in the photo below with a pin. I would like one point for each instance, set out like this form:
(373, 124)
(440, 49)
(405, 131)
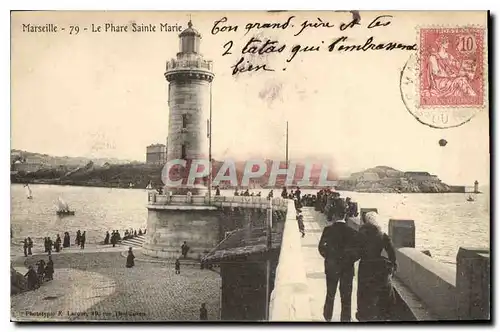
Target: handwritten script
(250, 55)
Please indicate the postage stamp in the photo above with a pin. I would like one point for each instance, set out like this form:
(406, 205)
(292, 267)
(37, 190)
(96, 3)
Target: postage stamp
(444, 83)
(451, 71)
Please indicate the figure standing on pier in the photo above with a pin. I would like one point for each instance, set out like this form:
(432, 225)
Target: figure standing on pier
(25, 247)
(270, 195)
(184, 249)
(32, 278)
(217, 191)
(78, 235)
(114, 238)
(58, 243)
(49, 269)
(203, 312)
(130, 258)
(30, 246)
(67, 240)
(338, 246)
(297, 194)
(82, 240)
(177, 266)
(50, 244)
(375, 292)
(106, 239)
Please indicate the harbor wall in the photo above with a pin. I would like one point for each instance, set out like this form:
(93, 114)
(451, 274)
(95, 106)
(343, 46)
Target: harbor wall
(290, 300)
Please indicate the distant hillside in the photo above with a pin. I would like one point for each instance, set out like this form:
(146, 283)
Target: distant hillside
(140, 174)
(48, 160)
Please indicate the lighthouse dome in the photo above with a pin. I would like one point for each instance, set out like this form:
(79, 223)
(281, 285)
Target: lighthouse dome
(190, 31)
(189, 40)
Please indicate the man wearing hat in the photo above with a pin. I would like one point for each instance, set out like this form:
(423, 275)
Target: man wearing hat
(338, 246)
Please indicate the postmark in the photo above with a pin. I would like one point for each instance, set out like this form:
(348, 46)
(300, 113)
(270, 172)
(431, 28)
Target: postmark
(444, 84)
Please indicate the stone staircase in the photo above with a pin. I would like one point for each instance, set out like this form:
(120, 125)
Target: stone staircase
(135, 242)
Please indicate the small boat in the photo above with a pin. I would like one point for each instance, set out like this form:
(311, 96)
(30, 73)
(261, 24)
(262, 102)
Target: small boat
(470, 199)
(63, 208)
(65, 213)
(29, 194)
(150, 186)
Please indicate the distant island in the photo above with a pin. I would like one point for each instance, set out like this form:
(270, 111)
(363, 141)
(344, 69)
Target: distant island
(28, 167)
(384, 179)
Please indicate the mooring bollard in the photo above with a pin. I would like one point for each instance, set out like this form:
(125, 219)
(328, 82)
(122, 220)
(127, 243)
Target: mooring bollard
(402, 233)
(473, 284)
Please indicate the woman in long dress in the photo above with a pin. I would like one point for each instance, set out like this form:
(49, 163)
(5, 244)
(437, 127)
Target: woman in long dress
(130, 258)
(375, 292)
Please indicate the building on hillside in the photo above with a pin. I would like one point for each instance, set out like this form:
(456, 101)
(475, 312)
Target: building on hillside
(27, 165)
(421, 176)
(364, 177)
(156, 154)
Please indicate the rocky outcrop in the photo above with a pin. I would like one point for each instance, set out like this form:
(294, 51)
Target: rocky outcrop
(384, 179)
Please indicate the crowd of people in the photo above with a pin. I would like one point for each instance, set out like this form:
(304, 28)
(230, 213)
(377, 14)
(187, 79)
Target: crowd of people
(242, 193)
(55, 245)
(341, 246)
(80, 239)
(115, 237)
(44, 272)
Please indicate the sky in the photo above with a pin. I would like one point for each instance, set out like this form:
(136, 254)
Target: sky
(105, 94)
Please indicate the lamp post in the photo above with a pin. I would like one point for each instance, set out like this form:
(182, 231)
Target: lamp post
(209, 133)
(269, 247)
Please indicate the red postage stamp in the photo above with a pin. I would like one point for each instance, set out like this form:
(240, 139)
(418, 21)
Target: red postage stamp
(451, 67)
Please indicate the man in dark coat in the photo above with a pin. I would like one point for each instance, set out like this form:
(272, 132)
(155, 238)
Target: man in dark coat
(338, 246)
(32, 278)
(130, 258)
(184, 249)
(25, 247)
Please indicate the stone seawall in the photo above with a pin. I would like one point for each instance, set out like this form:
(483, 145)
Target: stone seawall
(290, 300)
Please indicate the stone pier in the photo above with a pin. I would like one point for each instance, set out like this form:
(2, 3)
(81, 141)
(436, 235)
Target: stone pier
(426, 290)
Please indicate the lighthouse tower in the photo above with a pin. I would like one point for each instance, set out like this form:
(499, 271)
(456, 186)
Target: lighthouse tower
(173, 220)
(189, 77)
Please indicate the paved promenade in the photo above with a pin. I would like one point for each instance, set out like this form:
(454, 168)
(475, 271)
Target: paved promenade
(314, 223)
(91, 286)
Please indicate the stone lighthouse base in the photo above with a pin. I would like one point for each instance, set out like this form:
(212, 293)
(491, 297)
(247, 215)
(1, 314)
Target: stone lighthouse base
(170, 225)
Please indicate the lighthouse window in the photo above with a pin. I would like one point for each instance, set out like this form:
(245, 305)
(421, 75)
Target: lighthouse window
(183, 151)
(184, 121)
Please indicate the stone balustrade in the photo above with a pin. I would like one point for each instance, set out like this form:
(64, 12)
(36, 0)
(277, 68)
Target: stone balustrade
(290, 297)
(188, 64)
(159, 201)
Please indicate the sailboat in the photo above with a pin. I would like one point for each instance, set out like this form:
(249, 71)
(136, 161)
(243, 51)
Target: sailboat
(470, 199)
(150, 186)
(63, 208)
(29, 194)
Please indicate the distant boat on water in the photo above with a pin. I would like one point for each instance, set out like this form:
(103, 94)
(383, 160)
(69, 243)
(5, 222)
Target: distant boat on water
(150, 186)
(470, 199)
(29, 194)
(63, 208)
